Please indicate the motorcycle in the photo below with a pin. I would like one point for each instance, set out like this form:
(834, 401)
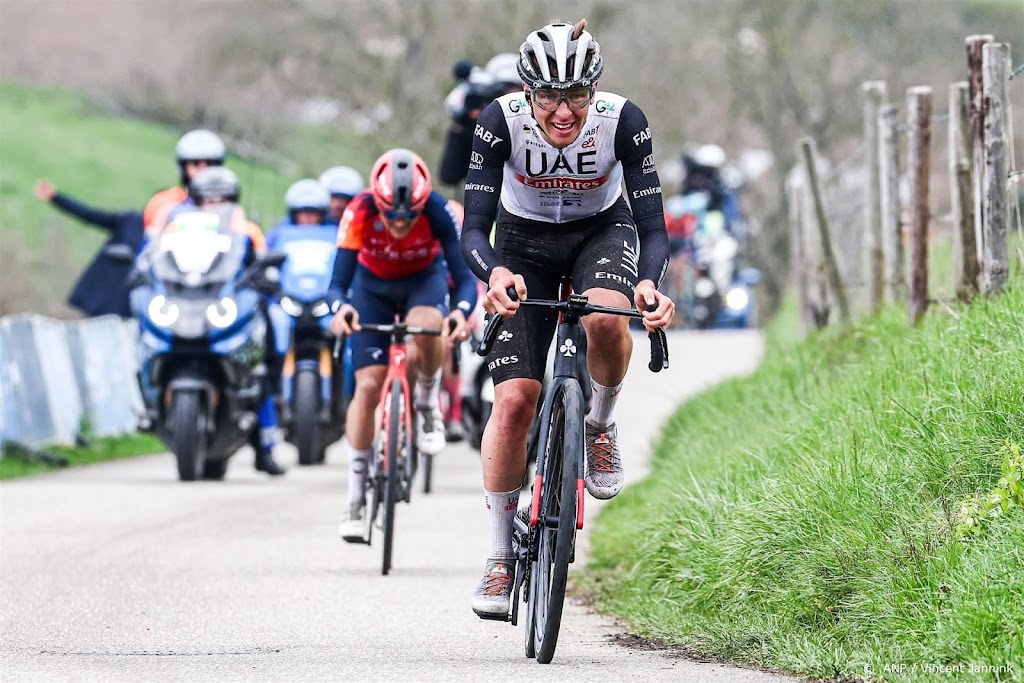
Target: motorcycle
(312, 399)
(716, 292)
(201, 339)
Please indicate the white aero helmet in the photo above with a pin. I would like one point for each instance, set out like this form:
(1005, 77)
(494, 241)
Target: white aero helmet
(343, 181)
(307, 195)
(201, 145)
(556, 56)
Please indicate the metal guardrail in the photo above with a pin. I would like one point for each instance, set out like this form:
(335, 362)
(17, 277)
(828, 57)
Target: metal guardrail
(59, 379)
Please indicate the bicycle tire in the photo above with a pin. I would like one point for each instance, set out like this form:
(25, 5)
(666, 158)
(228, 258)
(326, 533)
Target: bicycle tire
(391, 493)
(428, 472)
(550, 570)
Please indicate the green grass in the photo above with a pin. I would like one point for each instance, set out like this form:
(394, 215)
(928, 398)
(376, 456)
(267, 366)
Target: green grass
(98, 450)
(109, 162)
(805, 518)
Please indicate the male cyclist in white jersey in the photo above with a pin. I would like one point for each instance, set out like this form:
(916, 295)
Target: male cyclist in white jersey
(556, 156)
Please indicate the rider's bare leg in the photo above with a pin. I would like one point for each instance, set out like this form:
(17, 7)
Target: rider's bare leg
(359, 418)
(609, 344)
(503, 452)
(425, 354)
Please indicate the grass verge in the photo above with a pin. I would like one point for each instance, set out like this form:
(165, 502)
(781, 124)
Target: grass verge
(98, 450)
(814, 517)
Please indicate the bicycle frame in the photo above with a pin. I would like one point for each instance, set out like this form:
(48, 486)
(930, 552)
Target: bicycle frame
(569, 331)
(397, 369)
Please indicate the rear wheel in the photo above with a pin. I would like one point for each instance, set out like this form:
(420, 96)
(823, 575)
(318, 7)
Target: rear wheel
(306, 417)
(391, 476)
(185, 421)
(556, 529)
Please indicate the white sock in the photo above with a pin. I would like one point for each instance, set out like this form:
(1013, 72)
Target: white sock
(358, 466)
(501, 510)
(602, 404)
(427, 389)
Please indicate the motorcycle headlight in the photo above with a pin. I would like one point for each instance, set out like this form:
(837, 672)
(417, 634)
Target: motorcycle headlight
(162, 312)
(320, 309)
(291, 306)
(737, 299)
(223, 313)
(704, 287)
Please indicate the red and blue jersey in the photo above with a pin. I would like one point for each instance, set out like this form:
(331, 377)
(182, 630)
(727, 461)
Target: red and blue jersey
(362, 229)
(364, 239)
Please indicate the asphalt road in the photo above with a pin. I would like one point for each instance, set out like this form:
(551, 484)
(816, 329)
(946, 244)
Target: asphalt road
(119, 572)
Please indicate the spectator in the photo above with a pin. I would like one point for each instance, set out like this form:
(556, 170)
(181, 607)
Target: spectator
(100, 289)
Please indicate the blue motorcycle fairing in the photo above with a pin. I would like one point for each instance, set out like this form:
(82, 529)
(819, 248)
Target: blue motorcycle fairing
(307, 270)
(247, 343)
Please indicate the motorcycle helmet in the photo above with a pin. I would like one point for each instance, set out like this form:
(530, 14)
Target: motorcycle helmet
(199, 145)
(342, 181)
(215, 184)
(307, 195)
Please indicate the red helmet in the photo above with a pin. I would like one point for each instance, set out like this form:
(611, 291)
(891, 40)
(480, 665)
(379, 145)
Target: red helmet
(400, 183)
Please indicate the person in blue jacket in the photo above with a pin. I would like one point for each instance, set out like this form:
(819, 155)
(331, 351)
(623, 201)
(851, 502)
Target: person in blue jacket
(100, 290)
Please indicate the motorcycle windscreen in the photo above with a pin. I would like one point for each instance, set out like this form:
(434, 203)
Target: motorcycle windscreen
(197, 248)
(307, 271)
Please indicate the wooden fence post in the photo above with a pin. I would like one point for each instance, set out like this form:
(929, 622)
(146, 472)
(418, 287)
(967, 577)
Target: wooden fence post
(974, 80)
(838, 290)
(961, 193)
(919, 113)
(797, 224)
(996, 70)
(874, 95)
(889, 196)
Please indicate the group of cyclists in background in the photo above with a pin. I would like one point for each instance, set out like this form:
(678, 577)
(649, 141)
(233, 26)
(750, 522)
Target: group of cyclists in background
(560, 184)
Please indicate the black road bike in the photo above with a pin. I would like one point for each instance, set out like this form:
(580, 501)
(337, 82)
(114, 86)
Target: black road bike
(545, 543)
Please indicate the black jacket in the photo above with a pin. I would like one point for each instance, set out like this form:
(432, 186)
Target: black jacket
(100, 289)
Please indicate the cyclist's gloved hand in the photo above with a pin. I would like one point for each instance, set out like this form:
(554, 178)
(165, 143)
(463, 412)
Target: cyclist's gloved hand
(345, 321)
(455, 328)
(647, 296)
(497, 300)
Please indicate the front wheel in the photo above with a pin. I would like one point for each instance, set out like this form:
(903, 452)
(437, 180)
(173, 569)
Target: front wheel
(396, 437)
(306, 415)
(556, 526)
(428, 471)
(186, 421)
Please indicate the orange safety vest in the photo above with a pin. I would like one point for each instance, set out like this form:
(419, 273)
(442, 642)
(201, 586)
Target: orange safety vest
(159, 206)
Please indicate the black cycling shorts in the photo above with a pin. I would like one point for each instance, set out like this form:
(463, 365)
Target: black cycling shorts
(597, 252)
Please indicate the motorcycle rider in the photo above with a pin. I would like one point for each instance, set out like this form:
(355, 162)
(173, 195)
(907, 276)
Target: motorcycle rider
(196, 150)
(219, 187)
(397, 244)
(703, 173)
(307, 202)
(343, 183)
